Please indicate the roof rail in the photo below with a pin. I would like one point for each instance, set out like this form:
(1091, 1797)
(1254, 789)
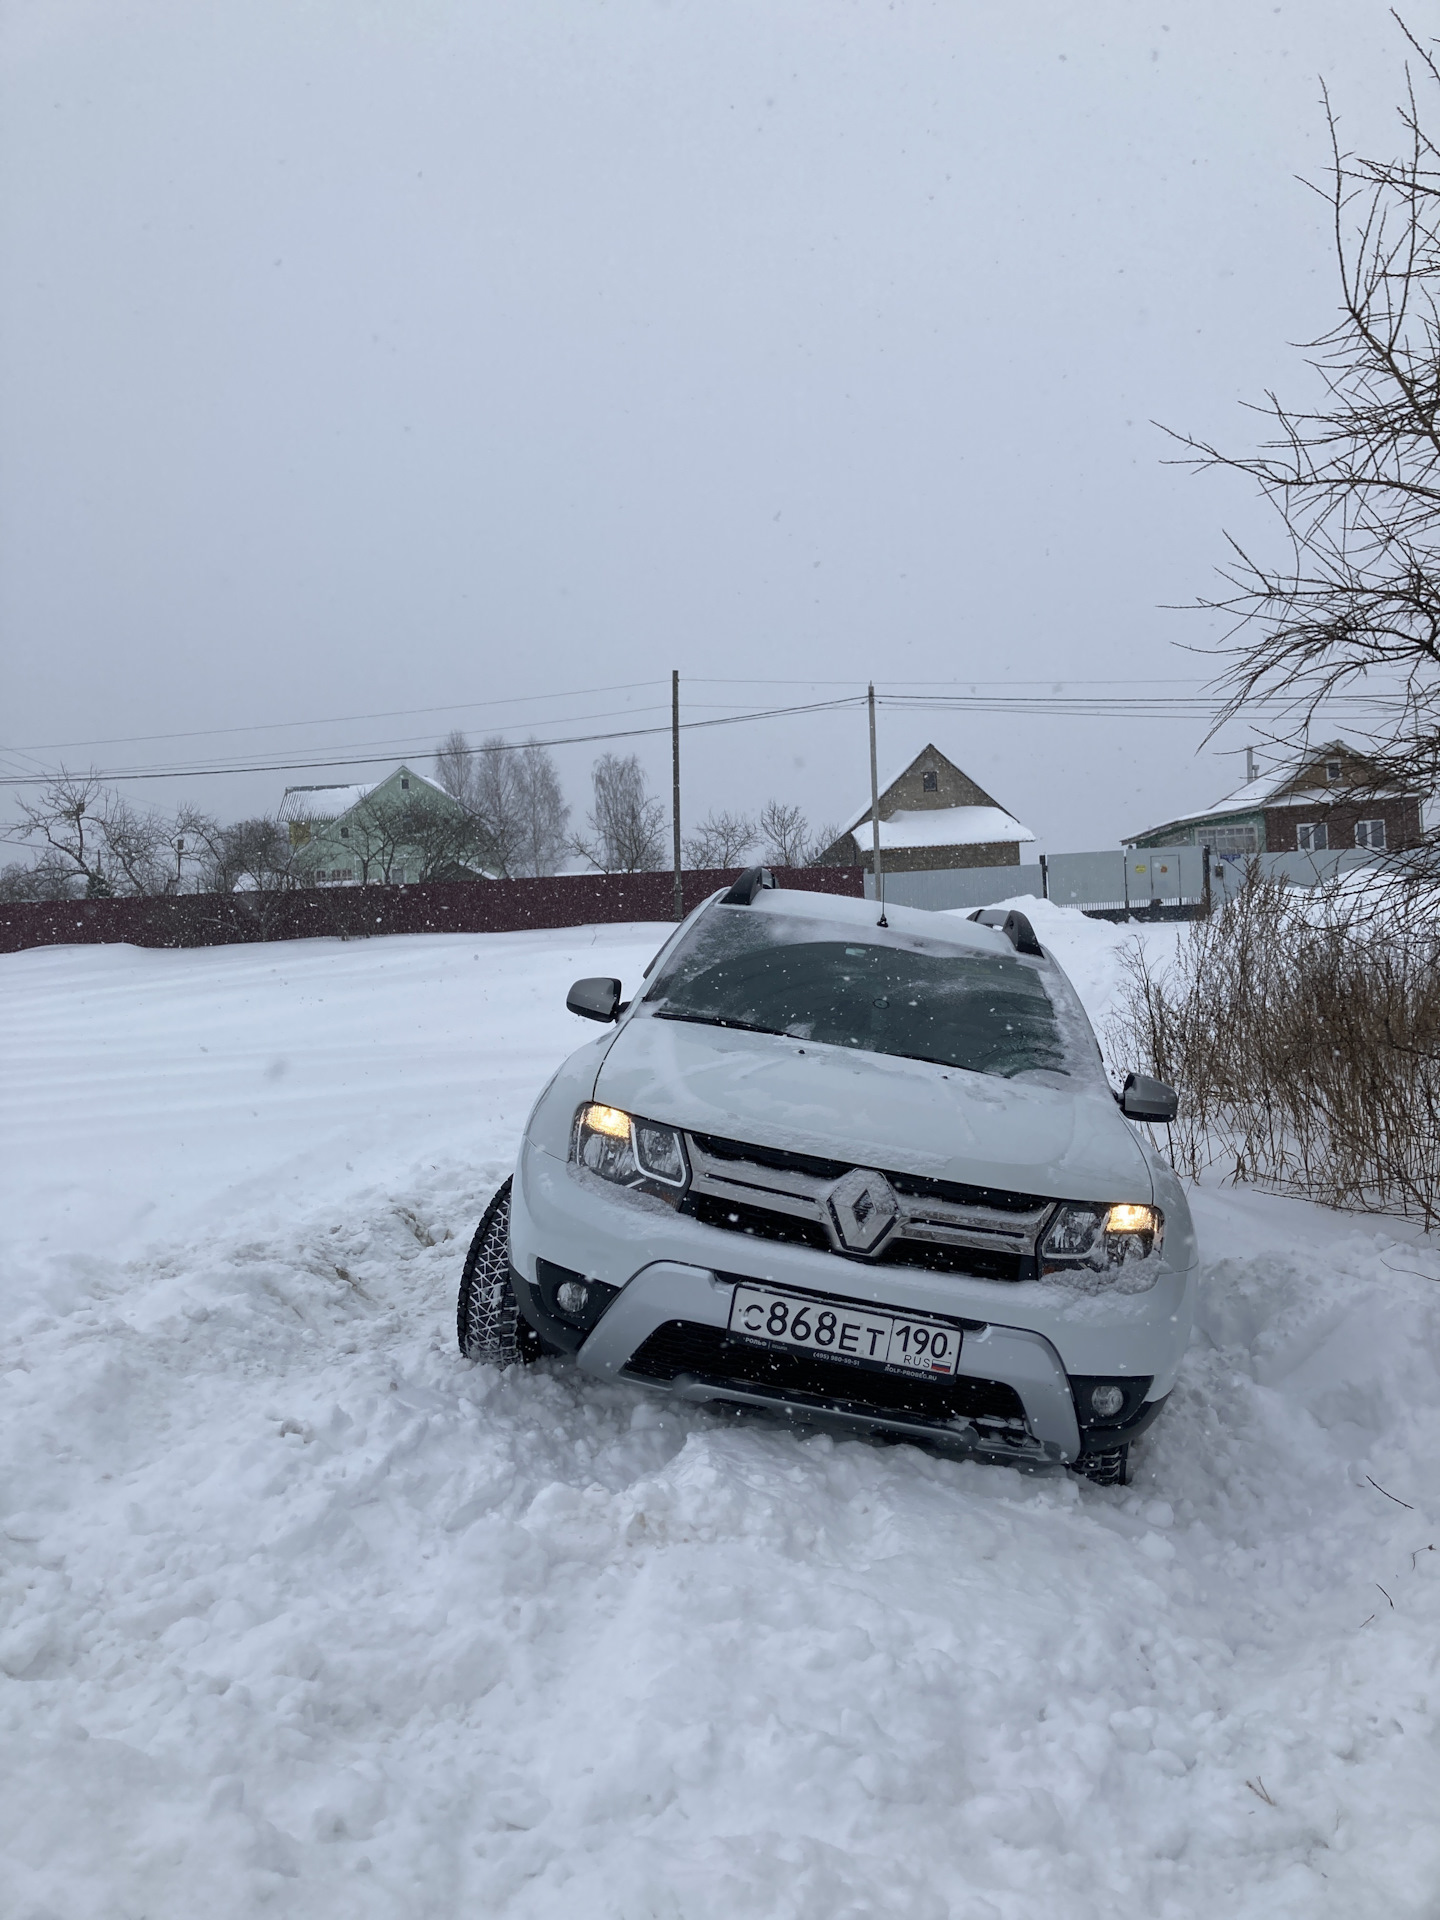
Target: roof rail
(1015, 927)
(747, 886)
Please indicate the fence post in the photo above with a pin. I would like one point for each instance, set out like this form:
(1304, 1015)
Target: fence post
(1044, 878)
(1205, 859)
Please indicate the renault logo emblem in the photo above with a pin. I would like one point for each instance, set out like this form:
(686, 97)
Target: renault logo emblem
(862, 1209)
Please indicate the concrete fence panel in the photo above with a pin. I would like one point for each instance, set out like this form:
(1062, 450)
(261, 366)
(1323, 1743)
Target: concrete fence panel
(948, 889)
(1170, 876)
(1086, 879)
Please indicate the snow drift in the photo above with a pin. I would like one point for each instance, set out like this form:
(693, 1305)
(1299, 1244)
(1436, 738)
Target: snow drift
(302, 1614)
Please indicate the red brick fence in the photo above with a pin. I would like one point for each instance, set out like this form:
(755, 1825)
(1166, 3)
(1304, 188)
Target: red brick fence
(353, 913)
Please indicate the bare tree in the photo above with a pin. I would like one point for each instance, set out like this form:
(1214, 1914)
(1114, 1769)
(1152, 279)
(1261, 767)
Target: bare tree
(495, 803)
(514, 793)
(66, 821)
(48, 878)
(110, 845)
(720, 840)
(187, 839)
(540, 809)
(626, 824)
(375, 832)
(447, 844)
(821, 840)
(255, 855)
(784, 835)
(455, 767)
(1355, 480)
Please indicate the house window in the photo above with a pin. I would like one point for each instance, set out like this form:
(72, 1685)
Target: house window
(1370, 833)
(929, 781)
(405, 783)
(344, 833)
(1228, 841)
(1333, 770)
(1312, 837)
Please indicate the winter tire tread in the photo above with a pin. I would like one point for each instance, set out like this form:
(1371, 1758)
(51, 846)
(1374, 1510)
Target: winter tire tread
(488, 1322)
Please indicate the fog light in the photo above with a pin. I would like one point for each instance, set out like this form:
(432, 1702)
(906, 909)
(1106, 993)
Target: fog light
(1107, 1401)
(572, 1295)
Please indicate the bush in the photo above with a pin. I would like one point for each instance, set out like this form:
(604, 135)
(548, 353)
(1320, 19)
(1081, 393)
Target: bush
(1302, 1029)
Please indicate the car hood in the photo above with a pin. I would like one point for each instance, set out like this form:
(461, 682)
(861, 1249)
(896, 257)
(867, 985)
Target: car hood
(876, 1110)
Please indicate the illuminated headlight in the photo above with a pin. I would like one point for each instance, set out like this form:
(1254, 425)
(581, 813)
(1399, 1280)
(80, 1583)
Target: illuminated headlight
(1101, 1238)
(641, 1154)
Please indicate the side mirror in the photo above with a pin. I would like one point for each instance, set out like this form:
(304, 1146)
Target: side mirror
(594, 999)
(1147, 1099)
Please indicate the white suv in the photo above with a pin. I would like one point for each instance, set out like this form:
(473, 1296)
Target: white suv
(867, 1172)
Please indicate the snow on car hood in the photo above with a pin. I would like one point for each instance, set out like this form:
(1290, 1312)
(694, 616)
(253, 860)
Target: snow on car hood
(877, 1110)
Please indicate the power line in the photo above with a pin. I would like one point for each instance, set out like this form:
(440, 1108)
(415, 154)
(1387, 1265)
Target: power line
(370, 760)
(335, 720)
(1086, 706)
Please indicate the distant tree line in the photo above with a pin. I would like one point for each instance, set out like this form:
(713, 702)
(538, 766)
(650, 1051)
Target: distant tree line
(91, 842)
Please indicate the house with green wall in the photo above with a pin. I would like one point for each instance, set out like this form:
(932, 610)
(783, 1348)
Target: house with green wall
(1327, 799)
(402, 829)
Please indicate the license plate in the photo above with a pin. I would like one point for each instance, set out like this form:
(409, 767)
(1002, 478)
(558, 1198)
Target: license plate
(835, 1331)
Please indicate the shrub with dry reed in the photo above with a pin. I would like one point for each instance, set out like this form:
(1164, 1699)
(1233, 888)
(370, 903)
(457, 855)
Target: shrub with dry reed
(1302, 1029)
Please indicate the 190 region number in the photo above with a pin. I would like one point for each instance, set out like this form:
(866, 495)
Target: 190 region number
(836, 1330)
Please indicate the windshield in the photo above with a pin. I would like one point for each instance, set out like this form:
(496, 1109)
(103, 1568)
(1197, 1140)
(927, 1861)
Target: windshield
(881, 992)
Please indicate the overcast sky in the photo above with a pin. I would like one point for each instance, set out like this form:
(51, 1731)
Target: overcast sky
(493, 359)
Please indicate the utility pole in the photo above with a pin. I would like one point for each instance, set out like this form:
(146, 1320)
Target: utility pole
(875, 816)
(675, 787)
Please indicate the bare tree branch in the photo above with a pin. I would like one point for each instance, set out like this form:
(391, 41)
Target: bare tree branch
(1352, 602)
(626, 823)
(720, 840)
(784, 835)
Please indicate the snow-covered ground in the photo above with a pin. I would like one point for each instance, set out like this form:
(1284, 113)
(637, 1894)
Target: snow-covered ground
(301, 1614)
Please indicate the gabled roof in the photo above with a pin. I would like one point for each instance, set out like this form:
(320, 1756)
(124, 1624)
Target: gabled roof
(330, 803)
(1272, 789)
(929, 752)
(1269, 789)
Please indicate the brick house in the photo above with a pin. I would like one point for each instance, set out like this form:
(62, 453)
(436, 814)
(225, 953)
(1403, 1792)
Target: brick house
(1327, 801)
(932, 815)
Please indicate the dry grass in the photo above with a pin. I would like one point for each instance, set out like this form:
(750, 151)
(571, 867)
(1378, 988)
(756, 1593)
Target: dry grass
(1302, 1029)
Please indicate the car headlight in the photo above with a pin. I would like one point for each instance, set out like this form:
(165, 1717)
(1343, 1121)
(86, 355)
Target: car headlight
(1099, 1239)
(644, 1155)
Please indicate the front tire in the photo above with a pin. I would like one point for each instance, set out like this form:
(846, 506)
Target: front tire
(488, 1321)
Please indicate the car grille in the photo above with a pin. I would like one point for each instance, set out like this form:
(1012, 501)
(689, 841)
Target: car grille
(709, 1354)
(940, 1225)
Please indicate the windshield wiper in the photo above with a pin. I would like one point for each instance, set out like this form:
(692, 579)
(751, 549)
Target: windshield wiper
(718, 1020)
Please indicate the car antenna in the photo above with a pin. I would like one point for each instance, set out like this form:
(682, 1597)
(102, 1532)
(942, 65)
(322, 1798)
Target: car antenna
(876, 862)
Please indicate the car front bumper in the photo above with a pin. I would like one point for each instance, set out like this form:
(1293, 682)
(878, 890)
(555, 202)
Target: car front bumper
(673, 1271)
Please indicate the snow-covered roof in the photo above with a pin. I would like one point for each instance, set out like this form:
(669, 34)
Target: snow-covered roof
(1268, 789)
(328, 803)
(942, 827)
(1273, 789)
(321, 803)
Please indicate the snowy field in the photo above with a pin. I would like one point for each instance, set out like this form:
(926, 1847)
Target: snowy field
(300, 1614)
